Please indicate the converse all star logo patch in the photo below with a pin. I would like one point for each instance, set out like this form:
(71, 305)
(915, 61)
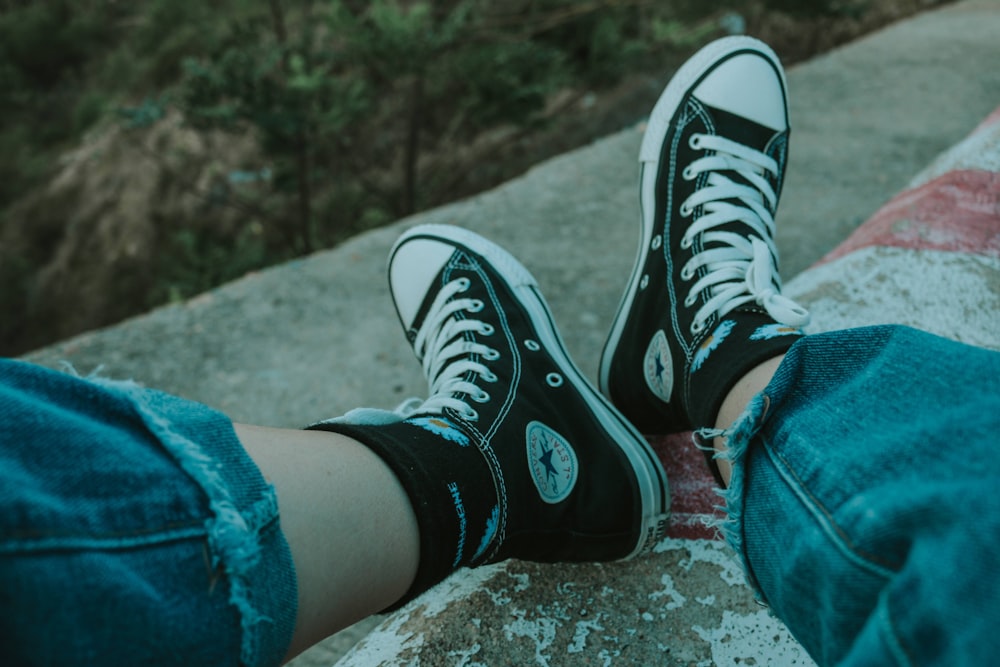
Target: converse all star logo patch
(658, 368)
(552, 462)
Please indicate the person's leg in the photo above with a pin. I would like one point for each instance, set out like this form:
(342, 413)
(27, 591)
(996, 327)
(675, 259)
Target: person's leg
(735, 404)
(147, 526)
(863, 497)
(348, 522)
(514, 453)
(507, 457)
(134, 529)
(349, 525)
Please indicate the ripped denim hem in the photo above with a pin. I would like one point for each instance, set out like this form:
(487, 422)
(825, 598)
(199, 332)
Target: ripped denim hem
(244, 539)
(739, 436)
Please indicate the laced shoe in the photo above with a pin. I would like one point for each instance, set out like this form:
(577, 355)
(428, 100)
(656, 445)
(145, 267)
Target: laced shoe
(703, 305)
(514, 453)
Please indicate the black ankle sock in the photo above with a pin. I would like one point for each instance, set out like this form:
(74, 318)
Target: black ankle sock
(450, 486)
(740, 341)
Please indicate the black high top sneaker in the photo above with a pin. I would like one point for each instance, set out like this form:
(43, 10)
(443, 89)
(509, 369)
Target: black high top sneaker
(514, 453)
(703, 305)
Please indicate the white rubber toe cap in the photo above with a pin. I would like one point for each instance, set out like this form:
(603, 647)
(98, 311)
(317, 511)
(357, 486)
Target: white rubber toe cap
(748, 85)
(414, 266)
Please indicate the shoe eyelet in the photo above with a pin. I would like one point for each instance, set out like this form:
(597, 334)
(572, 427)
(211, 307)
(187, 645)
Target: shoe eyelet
(532, 345)
(697, 327)
(689, 301)
(657, 240)
(487, 329)
(695, 141)
(480, 397)
(491, 355)
(476, 306)
(463, 284)
(554, 379)
(685, 243)
(688, 174)
(470, 415)
(685, 210)
(687, 273)
(644, 282)
(489, 376)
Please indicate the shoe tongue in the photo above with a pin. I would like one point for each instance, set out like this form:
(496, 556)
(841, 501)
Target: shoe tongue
(742, 130)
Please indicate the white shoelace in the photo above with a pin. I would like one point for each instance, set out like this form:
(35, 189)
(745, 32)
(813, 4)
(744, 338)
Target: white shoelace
(447, 355)
(741, 268)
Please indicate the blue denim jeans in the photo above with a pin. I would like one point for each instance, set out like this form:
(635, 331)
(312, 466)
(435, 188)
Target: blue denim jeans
(134, 530)
(866, 498)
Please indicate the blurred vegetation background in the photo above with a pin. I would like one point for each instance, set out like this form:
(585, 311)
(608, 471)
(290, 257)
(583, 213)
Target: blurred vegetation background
(151, 150)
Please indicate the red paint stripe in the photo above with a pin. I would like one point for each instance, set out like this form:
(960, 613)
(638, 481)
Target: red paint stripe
(958, 211)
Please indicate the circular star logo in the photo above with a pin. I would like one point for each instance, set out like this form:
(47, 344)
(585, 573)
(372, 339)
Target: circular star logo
(551, 461)
(658, 368)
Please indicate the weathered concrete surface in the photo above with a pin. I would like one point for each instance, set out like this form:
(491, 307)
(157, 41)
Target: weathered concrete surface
(929, 258)
(520, 613)
(318, 336)
(868, 117)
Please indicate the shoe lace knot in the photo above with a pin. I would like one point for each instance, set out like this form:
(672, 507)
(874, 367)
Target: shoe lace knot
(741, 268)
(446, 344)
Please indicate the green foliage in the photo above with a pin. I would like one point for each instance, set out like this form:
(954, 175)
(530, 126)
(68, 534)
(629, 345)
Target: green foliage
(680, 35)
(502, 82)
(15, 276)
(88, 109)
(391, 73)
(613, 47)
(46, 41)
(170, 31)
(45, 50)
(821, 8)
(391, 39)
(145, 114)
(194, 261)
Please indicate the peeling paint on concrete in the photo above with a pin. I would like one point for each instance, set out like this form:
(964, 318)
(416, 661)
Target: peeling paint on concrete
(583, 630)
(685, 604)
(759, 633)
(466, 582)
(391, 641)
(465, 657)
(707, 551)
(676, 600)
(539, 631)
